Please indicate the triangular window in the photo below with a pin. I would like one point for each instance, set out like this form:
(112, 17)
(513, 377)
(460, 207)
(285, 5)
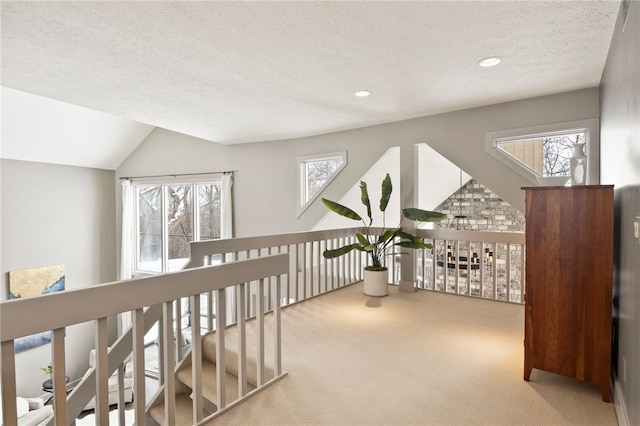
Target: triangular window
(315, 173)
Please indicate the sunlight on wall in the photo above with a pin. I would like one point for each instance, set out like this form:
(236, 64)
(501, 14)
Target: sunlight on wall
(438, 178)
(388, 163)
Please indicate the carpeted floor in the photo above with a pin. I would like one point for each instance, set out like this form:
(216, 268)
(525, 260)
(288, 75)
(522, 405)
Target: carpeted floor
(90, 419)
(413, 358)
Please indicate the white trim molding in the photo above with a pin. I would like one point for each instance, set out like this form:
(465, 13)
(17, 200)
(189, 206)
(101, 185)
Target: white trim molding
(619, 404)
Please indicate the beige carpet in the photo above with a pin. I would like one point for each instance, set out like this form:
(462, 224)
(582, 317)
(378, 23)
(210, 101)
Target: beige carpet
(413, 358)
(90, 418)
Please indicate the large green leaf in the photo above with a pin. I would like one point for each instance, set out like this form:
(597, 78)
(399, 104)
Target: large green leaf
(341, 210)
(330, 254)
(407, 236)
(388, 234)
(362, 239)
(364, 197)
(386, 192)
(423, 215)
(415, 244)
(377, 249)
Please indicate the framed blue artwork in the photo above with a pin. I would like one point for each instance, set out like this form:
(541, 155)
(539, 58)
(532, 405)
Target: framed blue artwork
(35, 282)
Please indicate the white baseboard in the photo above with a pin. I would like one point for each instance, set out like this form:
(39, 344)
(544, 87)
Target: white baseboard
(618, 401)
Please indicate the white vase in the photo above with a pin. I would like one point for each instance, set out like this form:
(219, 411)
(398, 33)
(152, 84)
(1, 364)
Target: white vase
(578, 165)
(375, 283)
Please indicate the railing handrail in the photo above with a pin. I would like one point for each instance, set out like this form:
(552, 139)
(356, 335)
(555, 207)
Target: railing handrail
(306, 274)
(105, 300)
(199, 249)
(221, 246)
(99, 302)
(485, 236)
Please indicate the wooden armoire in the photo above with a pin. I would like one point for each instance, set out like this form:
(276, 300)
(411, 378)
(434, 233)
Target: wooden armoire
(569, 276)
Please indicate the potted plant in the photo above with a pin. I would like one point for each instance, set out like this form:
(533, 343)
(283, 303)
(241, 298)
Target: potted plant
(47, 385)
(48, 370)
(376, 246)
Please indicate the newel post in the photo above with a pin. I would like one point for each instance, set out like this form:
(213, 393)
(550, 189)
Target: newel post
(408, 198)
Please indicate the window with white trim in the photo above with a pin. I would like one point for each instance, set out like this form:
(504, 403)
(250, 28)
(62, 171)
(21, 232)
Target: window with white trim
(545, 155)
(544, 151)
(168, 217)
(315, 173)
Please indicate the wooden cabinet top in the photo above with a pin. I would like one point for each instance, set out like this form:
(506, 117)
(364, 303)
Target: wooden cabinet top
(527, 188)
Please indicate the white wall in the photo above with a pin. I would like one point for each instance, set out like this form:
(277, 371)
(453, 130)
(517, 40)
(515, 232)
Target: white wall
(265, 173)
(620, 165)
(70, 210)
(265, 187)
(265, 178)
(388, 163)
(55, 214)
(433, 167)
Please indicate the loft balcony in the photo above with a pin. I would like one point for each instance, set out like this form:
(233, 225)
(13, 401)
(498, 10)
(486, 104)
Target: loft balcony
(302, 343)
(423, 358)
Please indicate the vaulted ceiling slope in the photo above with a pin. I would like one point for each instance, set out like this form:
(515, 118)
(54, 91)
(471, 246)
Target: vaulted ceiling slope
(234, 72)
(43, 130)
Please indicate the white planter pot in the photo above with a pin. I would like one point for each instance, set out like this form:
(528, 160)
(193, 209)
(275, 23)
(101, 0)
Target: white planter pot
(375, 283)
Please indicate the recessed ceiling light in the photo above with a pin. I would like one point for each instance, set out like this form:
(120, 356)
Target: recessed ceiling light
(491, 61)
(362, 93)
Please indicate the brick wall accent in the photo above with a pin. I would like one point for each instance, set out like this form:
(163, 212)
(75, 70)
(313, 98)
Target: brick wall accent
(485, 211)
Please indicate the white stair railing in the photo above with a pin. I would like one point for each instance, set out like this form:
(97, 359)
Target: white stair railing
(310, 274)
(97, 304)
(253, 275)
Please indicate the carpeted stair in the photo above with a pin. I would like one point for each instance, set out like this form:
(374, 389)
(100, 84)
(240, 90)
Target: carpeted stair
(184, 375)
(184, 411)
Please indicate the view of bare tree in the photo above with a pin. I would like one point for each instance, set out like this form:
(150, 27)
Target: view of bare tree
(318, 172)
(556, 153)
(179, 220)
(180, 217)
(150, 223)
(545, 155)
(209, 211)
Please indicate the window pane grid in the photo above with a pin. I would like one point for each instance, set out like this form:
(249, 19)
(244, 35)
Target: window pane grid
(179, 225)
(168, 218)
(149, 251)
(209, 211)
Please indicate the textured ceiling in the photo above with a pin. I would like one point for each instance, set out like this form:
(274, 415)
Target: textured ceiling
(236, 72)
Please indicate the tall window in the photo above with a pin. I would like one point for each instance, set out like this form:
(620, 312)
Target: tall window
(169, 217)
(315, 173)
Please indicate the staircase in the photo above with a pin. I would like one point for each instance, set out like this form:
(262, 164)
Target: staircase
(229, 367)
(236, 385)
